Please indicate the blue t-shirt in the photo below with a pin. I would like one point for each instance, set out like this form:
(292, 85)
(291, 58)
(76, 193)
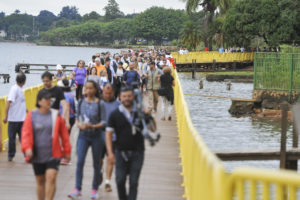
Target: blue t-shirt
(109, 108)
(70, 99)
(131, 76)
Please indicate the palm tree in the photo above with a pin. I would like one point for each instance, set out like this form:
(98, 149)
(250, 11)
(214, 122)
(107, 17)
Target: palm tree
(210, 7)
(191, 34)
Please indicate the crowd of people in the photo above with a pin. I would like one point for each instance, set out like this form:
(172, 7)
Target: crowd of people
(99, 98)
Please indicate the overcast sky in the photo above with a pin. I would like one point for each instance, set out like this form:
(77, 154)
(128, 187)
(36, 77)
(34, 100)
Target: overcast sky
(85, 6)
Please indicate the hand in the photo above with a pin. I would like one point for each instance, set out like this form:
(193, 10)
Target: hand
(82, 126)
(111, 158)
(5, 120)
(67, 158)
(89, 125)
(68, 125)
(29, 154)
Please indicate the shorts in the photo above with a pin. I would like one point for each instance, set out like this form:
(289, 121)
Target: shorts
(40, 168)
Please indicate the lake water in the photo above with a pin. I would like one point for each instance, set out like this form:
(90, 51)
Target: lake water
(223, 132)
(13, 53)
(210, 116)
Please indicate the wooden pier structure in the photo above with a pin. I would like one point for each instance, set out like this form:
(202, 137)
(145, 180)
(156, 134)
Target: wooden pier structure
(5, 77)
(28, 67)
(213, 61)
(180, 166)
(160, 177)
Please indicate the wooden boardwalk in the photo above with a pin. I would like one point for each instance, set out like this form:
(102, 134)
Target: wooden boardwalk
(160, 179)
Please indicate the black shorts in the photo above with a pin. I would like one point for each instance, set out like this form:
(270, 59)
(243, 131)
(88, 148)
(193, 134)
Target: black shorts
(40, 168)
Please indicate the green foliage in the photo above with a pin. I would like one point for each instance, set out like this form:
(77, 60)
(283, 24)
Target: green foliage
(159, 23)
(273, 20)
(191, 35)
(112, 10)
(45, 19)
(91, 16)
(70, 13)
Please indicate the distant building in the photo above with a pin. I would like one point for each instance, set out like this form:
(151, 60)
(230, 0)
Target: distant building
(3, 33)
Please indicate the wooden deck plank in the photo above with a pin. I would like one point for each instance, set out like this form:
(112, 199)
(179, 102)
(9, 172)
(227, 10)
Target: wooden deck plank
(160, 177)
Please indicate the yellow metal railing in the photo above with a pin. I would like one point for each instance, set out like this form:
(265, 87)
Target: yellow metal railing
(209, 57)
(204, 176)
(203, 173)
(30, 99)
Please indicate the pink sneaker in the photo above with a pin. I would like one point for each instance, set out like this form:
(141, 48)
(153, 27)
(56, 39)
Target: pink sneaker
(75, 194)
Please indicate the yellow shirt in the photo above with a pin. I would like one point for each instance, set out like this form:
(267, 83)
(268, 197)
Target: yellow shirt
(99, 69)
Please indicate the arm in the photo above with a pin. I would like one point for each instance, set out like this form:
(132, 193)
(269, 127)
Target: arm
(66, 111)
(6, 111)
(109, 146)
(173, 83)
(27, 138)
(65, 136)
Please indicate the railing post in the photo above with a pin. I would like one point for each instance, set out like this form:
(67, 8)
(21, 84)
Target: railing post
(284, 110)
(255, 71)
(291, 77)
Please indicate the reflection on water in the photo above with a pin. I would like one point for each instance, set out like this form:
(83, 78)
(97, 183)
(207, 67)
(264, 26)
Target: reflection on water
(221, 131)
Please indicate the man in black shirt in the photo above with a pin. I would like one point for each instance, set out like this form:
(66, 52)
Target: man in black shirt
(57, 96)
(129, 145)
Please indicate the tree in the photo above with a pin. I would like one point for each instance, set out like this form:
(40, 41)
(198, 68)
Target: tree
(112, 10)
(17, 11)
(274, 21)
(210, 7)
(45, 19)
(90, 16)
(191, 35)
(159, 23)
(70, 13)
(2, 15)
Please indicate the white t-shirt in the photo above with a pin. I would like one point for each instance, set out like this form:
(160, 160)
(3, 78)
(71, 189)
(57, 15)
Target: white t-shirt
(17, 109)
(168, 63)
(91, 64)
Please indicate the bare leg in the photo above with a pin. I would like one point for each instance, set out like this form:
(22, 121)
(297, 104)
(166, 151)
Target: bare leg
(40, 186)
(50, 183)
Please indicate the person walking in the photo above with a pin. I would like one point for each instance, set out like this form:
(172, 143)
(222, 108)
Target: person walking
(153, 76)
(90, 121)
(15, 112)
(167, 84)
(57, 96)
(45, 140)
(131, 76)
(80, 73)
(129, 145)
(111, 104)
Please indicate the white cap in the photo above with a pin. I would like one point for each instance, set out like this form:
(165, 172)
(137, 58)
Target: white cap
(59, 67)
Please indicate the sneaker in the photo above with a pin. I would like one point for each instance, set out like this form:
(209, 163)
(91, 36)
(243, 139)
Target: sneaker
(170, 118)
(64, 162)
(94, 194)
(75, 194)
(10, 159)
(108, 187)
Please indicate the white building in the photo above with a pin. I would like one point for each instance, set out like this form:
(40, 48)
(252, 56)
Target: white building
(3, 33)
